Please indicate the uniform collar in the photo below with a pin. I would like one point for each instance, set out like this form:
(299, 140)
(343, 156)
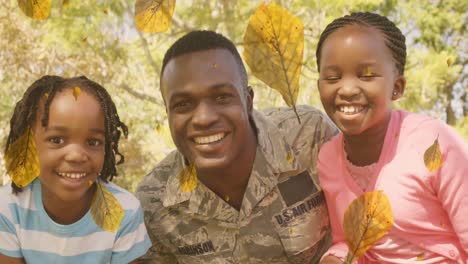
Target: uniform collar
(274, 157)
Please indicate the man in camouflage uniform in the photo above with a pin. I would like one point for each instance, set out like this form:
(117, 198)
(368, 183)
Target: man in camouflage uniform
(255, 196)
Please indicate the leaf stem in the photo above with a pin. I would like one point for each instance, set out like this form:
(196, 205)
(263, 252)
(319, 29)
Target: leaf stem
(285, 72)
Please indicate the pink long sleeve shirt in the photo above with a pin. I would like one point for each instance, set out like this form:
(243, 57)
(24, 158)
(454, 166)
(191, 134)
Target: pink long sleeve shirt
(430, 209)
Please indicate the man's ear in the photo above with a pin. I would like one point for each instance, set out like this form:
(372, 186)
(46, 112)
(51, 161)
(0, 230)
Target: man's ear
(250, 96)
(399, 87)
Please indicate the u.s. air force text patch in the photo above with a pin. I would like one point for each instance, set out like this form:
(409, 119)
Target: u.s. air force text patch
(300, 195)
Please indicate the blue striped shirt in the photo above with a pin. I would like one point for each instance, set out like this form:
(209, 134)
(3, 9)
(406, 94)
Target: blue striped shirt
(27, 231)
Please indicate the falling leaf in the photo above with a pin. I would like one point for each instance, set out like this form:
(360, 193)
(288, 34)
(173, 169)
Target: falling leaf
(35, 9)
(433, 157)
(290, 158)
(188, 178)
(227, 198)
(65, 3)
(84, 40)
(106, 210)
(366, 220)
(105, 11)
(273, 49)
(368, 72)
(76, 92)
(22, 161)
(46, 95)
(450, 61)
(420, 257)
(153, 15)
(90, 182)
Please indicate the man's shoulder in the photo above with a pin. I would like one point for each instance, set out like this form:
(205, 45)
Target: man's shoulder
(286, 115)
(313, 127)
(153, 185)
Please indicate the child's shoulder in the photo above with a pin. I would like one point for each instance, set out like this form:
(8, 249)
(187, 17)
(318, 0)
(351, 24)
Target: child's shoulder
(414, 123)
(11, 204)
(422, 129)
(125, 198)
(414, 120)
(331, 146)
(7, 196)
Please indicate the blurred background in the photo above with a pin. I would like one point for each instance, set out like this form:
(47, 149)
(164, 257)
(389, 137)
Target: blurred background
(98, 38)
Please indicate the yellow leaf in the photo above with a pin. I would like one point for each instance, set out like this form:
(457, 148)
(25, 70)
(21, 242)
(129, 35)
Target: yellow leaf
(76, 92)
(35, 9)
(188, 178)
(368, 72)
(290, 158)
(65, 3)
(105, 11)
(420, 257)
(46, 95)
(227, 198)
(366, 220)
(106, 210)
(22, 161)
(153, 15)
(450, 61)
(273, 49)
(433, 157)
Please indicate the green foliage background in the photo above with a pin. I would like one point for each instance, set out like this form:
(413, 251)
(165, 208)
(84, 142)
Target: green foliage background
(98, 39)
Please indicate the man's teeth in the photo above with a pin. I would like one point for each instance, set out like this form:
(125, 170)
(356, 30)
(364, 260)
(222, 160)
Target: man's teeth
(209, 139)
(72, 175)
(350, 109)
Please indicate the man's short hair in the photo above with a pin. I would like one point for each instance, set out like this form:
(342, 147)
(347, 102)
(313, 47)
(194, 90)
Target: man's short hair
(201, 40)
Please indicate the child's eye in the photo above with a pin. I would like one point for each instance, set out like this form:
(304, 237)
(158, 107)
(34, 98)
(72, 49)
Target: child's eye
(367, 74)
(331, 78)
(55, 140)
(366, 77)
(94, 142)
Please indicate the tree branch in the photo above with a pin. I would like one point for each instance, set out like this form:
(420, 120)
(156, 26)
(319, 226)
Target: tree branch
(141, 96)
(179, 23)
(145, 45)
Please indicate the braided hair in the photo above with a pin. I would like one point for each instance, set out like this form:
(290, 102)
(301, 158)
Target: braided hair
(47, 87)
(394, 39)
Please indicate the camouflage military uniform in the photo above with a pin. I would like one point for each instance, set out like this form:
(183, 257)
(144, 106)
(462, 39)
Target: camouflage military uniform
(283, 218)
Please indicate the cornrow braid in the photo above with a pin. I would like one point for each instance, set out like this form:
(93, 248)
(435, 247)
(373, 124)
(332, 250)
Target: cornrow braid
(26, 110)
(112, 124)
(394, 39)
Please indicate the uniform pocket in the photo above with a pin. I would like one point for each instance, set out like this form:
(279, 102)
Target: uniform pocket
(304, 229)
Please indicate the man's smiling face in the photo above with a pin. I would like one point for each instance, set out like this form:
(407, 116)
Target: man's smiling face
(208, 107)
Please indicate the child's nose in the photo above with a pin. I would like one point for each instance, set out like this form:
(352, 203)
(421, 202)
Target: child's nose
(349, 88)
(76, 153)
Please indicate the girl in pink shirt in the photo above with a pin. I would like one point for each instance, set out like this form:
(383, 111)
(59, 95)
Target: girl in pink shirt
(361, 59)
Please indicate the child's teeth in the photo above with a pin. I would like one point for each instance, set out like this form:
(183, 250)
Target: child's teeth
(350, 109)
(72, 175)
